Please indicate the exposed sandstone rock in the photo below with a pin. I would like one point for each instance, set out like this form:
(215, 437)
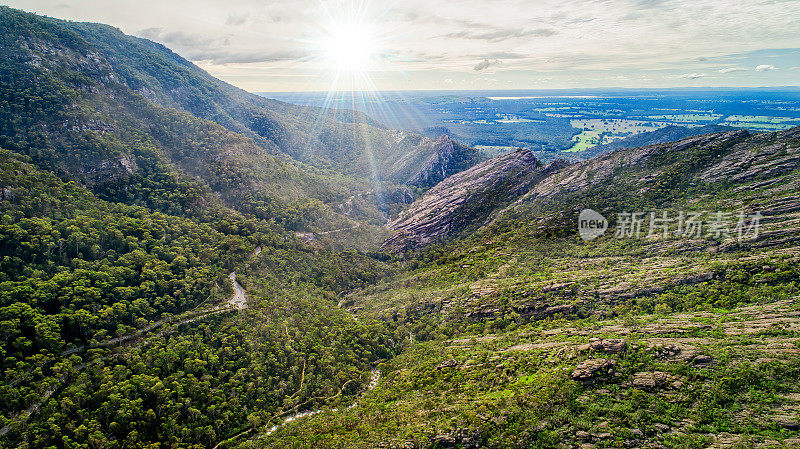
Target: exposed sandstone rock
(686, 355)
(536, 310)
(450, 363)
(502, 185)
(789, 422)
(467, 197)
(774, 155)
(611, 346)
(651, 380)
(592, 369)
(599, 170)
(703, 360)
(444, 440)
(463, 438)
(668, 351)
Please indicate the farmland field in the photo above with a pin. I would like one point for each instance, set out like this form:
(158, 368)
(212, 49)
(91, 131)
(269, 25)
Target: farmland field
(585, 140)
(563, 123)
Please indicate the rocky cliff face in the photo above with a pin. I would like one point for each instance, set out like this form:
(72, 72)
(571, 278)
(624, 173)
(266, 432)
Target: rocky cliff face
(448, 158)
(517, 184)
(467, 197)
(637, 166)
(762, 157)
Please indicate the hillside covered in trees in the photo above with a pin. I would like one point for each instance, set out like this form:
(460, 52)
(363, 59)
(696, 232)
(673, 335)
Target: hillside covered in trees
(188, 265)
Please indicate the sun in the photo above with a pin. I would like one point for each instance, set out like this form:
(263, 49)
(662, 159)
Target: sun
(350, 47)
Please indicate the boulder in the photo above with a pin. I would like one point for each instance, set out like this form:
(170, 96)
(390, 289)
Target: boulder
(444, 440)
(592, 369)
(611, 345)
(668, 351)
(703, 360)
(462, 438)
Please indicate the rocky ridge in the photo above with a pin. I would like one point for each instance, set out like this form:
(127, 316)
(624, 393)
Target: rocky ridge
(504, 185)
(467, 197)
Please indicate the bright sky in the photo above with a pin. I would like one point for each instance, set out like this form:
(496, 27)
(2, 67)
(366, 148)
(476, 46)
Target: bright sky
(295, 45)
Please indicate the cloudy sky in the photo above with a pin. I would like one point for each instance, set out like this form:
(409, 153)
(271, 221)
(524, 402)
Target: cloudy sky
(294, 45)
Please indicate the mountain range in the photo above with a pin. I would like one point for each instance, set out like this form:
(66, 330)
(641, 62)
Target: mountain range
(122, 100)
(186, 264)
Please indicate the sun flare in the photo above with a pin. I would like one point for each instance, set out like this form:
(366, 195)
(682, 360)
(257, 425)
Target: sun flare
(350, 47)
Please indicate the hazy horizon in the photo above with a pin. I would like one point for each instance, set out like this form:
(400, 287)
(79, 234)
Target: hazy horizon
(287, 46)
(558, 90)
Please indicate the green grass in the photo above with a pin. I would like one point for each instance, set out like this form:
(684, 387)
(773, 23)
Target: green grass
(760, 119)
(584, 141)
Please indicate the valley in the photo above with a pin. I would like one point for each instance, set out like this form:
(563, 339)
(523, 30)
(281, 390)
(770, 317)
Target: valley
(185, 264)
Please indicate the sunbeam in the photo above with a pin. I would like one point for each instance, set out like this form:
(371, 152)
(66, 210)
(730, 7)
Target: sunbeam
(350, 47)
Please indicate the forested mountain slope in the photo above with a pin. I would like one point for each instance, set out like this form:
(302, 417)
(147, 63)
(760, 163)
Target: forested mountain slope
(120, 222)
(71, 112)
(98, 62)
(136, 122)
(346, 141)
(114, 333)
(521, 334)
(133, 187)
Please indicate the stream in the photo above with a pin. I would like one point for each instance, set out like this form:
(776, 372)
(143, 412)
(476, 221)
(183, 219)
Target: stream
(375, 376)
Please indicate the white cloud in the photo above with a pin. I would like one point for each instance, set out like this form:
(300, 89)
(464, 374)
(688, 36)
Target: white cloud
(731, 70)
(765, 68)
(693, 76)
(502, 34)
(561, 39)
(237, 19)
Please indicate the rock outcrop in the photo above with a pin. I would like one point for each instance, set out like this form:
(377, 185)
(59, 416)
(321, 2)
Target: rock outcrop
(448, 158)
(652, 380)
(463, 438)
(610, 345)
(467, 197)
(637, 162)
(593, 369)
(511, 184)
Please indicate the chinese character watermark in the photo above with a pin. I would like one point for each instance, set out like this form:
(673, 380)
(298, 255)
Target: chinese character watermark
(665, 224)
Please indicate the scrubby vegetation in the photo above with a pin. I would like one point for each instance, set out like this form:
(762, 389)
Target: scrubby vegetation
(79, 271)
(131, 215)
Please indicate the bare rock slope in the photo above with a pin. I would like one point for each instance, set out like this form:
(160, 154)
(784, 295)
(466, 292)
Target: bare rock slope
(468, 197)
(518, 182)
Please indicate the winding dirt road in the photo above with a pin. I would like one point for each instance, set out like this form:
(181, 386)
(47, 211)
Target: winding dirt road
(239, 298)
(237, 301)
